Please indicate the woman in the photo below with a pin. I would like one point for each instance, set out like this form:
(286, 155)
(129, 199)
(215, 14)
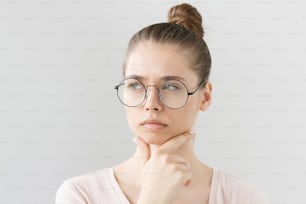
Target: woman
(166, 71)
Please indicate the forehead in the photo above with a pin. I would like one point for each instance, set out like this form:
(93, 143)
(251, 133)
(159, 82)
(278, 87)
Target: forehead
(155, 60)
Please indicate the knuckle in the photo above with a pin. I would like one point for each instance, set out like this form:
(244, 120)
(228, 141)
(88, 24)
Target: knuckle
(173, 167)
(158, 153)
(164, 158)
(161, 157)
(180, 175)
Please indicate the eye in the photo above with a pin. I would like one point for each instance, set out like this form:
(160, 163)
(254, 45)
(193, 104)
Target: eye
(134, 85)
(171, 87)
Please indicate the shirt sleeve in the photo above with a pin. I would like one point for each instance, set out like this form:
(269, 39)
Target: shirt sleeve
(68, 193)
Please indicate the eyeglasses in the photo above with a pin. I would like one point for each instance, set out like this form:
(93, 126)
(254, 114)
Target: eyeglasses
(172, 93)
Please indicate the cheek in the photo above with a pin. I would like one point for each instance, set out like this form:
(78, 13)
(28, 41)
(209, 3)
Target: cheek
(133, 119)
(187, 118)
(130, 116)
(184, 118)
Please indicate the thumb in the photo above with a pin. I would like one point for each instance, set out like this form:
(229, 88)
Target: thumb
(143, 151)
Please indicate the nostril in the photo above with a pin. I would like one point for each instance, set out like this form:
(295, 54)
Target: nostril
(152, 108)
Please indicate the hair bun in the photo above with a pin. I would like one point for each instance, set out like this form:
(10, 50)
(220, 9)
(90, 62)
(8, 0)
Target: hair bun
(187, 16)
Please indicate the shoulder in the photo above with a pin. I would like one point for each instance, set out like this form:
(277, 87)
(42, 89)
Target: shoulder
(79, 189)
(227, 188)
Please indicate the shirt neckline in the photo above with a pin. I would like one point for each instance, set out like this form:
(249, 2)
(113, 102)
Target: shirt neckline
(122, 196)
(116, 186)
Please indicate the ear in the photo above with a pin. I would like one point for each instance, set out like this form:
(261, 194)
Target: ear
(206, 96)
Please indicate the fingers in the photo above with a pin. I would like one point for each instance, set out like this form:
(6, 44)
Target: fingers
(143, 151)
(173, 144)
(177, 159)
(181, 169)
(182, 173)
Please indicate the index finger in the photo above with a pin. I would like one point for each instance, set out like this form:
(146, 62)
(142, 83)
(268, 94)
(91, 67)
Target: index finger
(173, 144)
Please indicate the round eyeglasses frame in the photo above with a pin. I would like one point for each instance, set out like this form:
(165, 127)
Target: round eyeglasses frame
(159, 93)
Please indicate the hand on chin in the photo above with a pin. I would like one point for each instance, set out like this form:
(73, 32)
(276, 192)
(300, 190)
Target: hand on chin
(156, 138)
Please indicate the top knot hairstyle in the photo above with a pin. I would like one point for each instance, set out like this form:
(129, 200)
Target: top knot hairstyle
(187, 16)
(184, 29)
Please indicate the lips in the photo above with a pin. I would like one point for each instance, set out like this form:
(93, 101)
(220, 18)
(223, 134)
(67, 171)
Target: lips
(153, 124)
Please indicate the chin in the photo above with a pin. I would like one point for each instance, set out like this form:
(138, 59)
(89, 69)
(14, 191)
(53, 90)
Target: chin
(154, 138)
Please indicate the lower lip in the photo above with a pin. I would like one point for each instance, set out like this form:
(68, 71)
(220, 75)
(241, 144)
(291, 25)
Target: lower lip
(154, 126)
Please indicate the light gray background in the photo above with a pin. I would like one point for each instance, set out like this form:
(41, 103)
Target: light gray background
(59, 115)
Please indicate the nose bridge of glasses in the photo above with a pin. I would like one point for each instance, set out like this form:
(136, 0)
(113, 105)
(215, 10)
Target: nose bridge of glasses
(154, 92)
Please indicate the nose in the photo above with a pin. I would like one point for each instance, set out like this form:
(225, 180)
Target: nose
(152, 100)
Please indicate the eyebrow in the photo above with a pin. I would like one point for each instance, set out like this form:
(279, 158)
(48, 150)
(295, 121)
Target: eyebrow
(165, 78)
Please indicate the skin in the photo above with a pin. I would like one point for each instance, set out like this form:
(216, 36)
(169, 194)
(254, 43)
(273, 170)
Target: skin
(168, 146)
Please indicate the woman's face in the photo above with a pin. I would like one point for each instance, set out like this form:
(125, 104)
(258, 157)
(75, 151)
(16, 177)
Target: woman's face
(151, 63)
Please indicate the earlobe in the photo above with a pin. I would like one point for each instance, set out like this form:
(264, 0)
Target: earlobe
(206, 96)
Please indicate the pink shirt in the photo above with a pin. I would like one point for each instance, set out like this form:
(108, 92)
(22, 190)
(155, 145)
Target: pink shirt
(101, 187)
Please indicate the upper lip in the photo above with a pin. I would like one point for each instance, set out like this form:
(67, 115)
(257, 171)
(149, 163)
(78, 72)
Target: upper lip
(152, 121)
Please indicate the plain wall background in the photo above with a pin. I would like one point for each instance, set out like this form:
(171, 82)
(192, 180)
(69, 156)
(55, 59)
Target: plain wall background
(59, 115)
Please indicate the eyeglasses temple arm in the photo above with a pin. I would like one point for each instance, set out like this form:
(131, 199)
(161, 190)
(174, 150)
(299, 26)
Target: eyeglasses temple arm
(201, 84)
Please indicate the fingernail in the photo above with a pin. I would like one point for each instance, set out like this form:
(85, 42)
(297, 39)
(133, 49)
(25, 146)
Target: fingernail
(192, 132)
(135, 140)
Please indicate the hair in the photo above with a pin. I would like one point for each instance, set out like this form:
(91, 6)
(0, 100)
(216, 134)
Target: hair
(184, 29)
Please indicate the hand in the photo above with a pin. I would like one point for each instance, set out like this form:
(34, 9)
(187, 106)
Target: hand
(164, 173)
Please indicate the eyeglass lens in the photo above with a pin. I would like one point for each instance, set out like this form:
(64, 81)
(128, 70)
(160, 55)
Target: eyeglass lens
(172, 93)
